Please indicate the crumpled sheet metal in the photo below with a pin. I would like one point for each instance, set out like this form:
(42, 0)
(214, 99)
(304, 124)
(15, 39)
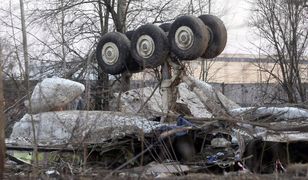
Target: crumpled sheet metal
(58, 128)
(54, 93)
(285, 137)
(210, 92)
(159, 168)
(193, 93)
(269, 135)
(133, 100)
(284, 113)
(189, 98)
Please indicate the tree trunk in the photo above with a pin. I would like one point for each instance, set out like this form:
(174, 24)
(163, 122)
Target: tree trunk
(282, 24)
(2, 121)
(26, 76)
(63, 39)
(204, 63)
(102, 88)
(121, 15)
(125, 78)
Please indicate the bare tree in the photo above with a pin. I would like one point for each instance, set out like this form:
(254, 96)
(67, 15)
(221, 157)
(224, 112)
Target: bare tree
(102, 91)
(282, 24)
(68, 31)
(62, 32)
(26, 60)
(2, 120)
(198, 7)
(205, 65)
(121, 27)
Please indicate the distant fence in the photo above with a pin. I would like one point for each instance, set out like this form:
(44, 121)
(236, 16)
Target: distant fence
(255, 93)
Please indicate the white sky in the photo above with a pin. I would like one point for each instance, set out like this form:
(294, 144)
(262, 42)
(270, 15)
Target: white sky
(235, 14)
(236, 19)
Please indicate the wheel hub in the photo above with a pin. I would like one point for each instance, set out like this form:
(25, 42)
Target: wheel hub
(145, 46)
(184, 37)
(110, 53)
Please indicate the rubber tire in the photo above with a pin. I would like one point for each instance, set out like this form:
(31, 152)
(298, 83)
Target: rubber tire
(201, 34)
(161, 46)
(132, 65)
(122, 42)
(129, 34)
(218, 36)
(165, 27)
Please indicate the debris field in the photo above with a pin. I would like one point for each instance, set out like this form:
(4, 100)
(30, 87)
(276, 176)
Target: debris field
(204, 133)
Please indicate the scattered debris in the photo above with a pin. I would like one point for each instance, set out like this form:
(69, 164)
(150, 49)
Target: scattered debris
(193, 103)
(157, 169)
(213, 100)
(281, 113)
(214, 134)
(52, 173)
(298, 170)
(62, 127)
(144, 100)
(220, 142)
(198, 97)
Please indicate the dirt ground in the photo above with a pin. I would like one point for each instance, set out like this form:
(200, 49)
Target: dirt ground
(295, 171)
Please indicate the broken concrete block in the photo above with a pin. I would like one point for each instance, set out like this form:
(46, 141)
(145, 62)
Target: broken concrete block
(54, 93)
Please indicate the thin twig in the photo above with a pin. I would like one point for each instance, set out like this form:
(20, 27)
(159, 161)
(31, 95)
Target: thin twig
(142, 106)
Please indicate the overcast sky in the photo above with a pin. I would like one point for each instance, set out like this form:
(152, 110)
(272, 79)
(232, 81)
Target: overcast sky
(235, 15)
(236, 19)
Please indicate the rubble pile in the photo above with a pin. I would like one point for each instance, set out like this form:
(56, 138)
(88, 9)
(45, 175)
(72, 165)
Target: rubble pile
(63, 127)
(200, 98)
(215, 134)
